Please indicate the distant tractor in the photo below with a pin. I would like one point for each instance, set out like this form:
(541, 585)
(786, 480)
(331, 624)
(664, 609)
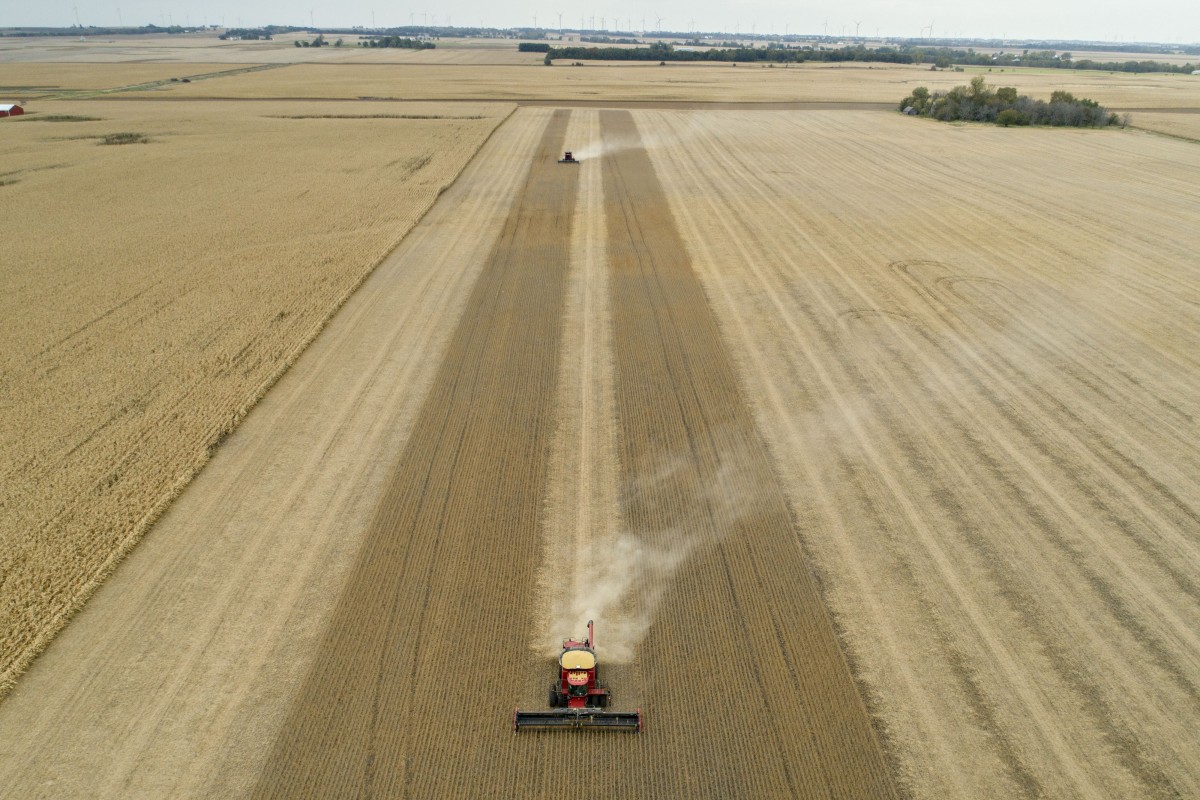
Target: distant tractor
(568, 158)
(578, 699)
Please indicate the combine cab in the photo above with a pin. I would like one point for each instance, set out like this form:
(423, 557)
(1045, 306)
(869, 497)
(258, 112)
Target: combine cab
(568, 158)
(578, 699)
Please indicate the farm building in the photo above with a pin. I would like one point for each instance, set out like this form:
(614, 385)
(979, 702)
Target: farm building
(10, 110)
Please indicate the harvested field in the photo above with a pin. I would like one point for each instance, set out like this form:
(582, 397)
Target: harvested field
(980, 387)
(160, 49)
(132, 349)
(1181, 125)
(24, 79)
(869, 442)
(680, 82)
(704, 485)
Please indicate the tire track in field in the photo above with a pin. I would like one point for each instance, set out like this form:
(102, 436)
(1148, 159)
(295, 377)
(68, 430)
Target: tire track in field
(743, 628)
(430, 632)
(891, 377)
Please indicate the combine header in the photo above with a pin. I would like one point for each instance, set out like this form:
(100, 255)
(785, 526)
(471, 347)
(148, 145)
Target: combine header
(568, 158)
(578, 699)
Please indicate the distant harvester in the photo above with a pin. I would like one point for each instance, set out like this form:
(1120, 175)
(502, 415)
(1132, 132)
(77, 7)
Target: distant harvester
(10, 110)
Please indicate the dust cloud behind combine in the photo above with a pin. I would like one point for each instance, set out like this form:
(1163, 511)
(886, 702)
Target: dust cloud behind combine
(619, 579)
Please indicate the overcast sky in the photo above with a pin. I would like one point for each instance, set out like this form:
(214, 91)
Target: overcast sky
(1174, 21)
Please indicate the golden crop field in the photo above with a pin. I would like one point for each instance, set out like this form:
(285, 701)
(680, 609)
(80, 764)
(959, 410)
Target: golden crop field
(978, 385)
(160, 49)
(32, 80)
(148, 308)
(1185, 125)
(867, 441)
(863, 83)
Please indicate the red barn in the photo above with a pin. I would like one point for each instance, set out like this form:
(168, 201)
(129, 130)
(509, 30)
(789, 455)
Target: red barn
(11, 110)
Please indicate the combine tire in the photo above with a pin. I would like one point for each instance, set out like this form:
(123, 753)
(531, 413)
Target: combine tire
(554, 698)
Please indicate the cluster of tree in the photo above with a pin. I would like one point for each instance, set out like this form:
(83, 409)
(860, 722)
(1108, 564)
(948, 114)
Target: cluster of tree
(397, 41)
(606, 40)
(1050, 59)
(533, 47)
(246, 33)
(939, 56)
(317, 42)
(660, 51)
(978, 102)
(92, 30)
(1122, 47)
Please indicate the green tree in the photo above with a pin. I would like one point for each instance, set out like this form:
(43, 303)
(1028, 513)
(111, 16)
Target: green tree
(1010, 116)
(979, 89)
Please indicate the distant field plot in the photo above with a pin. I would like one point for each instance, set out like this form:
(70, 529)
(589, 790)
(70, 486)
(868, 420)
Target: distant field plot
(482, 56)
(186, 49)
(157, 290)
(282, 49)
(679, 82)
(24, 79)
(1184, 125)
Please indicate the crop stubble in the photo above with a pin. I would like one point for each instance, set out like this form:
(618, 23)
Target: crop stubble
(981, 413)
(426, 653)
(743, 665)
(434, 620)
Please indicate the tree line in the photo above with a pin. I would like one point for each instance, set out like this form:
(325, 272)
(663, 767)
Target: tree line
(978, 102)
(778, 53)
(396, 41)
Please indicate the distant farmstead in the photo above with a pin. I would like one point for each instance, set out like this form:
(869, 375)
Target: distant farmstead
(10, 110)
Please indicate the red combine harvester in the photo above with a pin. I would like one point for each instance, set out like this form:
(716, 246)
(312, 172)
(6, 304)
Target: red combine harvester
(568, 158)
(578, 699)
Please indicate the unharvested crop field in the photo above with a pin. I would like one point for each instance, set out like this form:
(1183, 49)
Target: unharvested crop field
(869, 442)
(149, 306)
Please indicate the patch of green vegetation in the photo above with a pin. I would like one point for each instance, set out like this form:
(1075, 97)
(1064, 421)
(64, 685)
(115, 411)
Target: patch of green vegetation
(978, 102)
(125, 138)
